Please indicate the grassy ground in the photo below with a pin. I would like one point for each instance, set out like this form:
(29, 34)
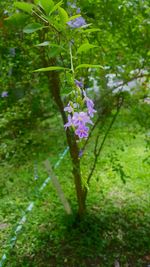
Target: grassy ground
(117, 224)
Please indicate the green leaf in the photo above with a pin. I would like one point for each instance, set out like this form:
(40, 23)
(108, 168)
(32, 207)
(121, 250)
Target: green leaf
(92, 30)
(85, 47)
(47, 5)
(27, 7)
(50, 69)
(47, 43)
(74, 17)
(81, 66)
(17, 20)
(56, 7)
(63, 15)
(33, 27)
(58, 46)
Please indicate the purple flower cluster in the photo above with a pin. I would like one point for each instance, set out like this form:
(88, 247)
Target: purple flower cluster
(79, 119)
(74, 6)
(4, 94)
(77, 23)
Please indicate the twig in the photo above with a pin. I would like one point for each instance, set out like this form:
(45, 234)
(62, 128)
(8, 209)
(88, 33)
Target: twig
(97, 153)
(114, 88)
(94, 126)
(130, 80)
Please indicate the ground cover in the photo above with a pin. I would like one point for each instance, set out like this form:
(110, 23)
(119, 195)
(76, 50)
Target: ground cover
(116, 227)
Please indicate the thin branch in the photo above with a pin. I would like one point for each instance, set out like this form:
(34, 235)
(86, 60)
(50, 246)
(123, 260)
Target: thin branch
(130, 80)
(94, 126)
(114, 88)
(97, 153)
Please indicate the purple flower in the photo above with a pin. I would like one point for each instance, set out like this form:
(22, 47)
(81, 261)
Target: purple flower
(80, 153)
(71, 5)
(4, 94)
(89, 102)
(81, 118)
(79, 83)
(77, 23)
(91, 112)
(69, 123)
(69, 108)
(90, 105)
(78, 10)
(82, 131)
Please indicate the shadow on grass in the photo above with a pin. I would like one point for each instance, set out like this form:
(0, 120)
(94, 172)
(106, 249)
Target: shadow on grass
(105, 235)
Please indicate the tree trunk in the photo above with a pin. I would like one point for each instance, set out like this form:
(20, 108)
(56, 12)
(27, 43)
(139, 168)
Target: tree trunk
(54, 86)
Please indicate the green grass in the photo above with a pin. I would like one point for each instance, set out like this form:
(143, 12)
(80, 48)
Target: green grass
(117, 223)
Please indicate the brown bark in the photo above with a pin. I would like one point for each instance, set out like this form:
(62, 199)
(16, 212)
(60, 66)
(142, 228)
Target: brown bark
(54, 85)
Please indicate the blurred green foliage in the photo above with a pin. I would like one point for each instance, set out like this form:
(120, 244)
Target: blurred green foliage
(120, 32)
